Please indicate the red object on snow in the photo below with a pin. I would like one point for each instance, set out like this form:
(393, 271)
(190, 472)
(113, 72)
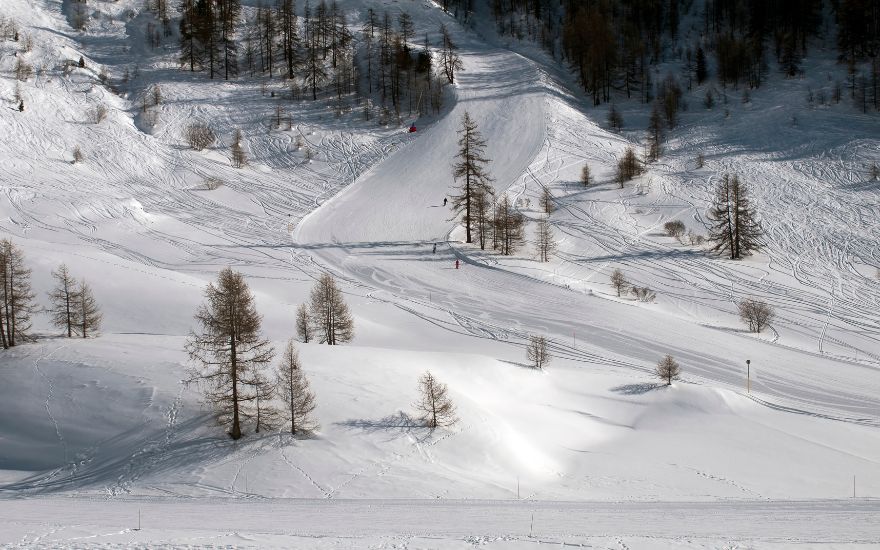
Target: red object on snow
(412, 128)
(456, 264)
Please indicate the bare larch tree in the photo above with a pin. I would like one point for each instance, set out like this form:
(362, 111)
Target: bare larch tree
(586, 178)
(547, 204)
(450, 62)
(16, 297)
(508, 226)
(303, 325)
(62, 300)
(735, 229)
(470, 170)
(545, 242)
(329, 313)
(668, 369)
(536, 352)
(756, 314)
(434, 405)
(293, 388)
(239, 157)
(227, 346)
(88, 315)
(618, 281)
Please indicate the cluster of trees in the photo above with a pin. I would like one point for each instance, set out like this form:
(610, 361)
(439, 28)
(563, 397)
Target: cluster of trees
(485, 218)
(231, 360)
(612, 44)
(208, 39)
(621, 284)
(16, 296)
(72, 308)
(316, 48)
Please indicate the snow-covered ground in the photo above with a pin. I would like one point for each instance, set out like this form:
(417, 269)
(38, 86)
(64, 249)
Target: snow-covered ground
(93, 431)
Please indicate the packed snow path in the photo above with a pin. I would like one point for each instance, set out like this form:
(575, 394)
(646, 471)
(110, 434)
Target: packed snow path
(305, 523)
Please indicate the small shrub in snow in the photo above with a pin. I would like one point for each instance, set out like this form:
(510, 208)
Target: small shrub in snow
(536, 352)
(668, 369)
(212, 184)
(755, 313)
(695, 238)
(199, 136)
(643, 294)
(674, 229)
(77, 155)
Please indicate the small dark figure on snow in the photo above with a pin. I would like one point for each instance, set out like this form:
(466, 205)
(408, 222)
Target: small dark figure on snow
(82, 62)
(444, 201)
(456, 264)
(21, 106)
(435, 249)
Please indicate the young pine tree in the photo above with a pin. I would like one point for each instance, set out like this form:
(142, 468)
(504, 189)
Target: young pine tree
(88, 316)
(303, 325)
(293, 388)
(258, 407)
(227, 347)
(470, 170)
(547, 204)
(63, 301)
(239, 157)
(586, 177)
(509, 226)
(482, 205)
(329, 314)
(735, 229)
(434, 405)
(545, 242)
(16, 297)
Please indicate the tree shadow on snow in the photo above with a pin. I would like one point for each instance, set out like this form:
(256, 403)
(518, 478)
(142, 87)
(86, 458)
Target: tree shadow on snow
(520, 365)
(398, 421)
(637, 389)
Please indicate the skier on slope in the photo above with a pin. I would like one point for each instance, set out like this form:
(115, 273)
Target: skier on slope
(444, 201)
(435, 249)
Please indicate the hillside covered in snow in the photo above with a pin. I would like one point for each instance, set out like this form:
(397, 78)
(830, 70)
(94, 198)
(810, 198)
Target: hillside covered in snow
(333, 132)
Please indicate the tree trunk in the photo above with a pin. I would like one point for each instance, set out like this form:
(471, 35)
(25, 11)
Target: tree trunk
(236, 426)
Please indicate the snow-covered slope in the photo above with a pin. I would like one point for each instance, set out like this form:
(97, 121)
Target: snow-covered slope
(109, 417)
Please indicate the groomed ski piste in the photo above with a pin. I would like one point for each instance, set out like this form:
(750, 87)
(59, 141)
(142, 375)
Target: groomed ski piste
(102, 446)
